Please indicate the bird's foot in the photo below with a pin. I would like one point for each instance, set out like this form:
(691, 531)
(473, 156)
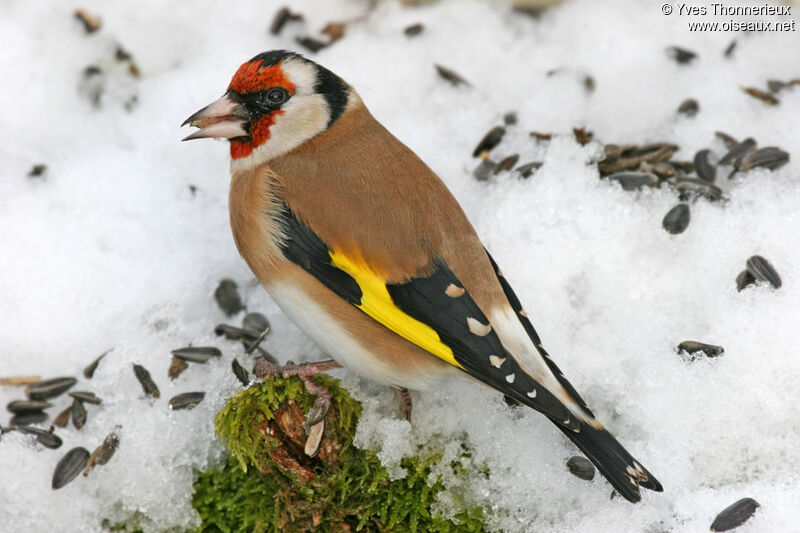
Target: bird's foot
(405, 402)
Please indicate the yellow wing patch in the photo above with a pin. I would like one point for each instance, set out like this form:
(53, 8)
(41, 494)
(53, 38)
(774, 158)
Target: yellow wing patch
(377, 303)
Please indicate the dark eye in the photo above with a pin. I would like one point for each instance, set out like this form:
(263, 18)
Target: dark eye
(277, 95)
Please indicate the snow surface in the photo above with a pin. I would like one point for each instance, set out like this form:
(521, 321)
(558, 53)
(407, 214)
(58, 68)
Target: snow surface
(111, 250)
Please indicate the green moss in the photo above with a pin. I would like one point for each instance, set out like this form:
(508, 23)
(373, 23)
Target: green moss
(344, 488)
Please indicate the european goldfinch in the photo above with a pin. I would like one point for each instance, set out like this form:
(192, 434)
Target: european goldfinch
(366, 250)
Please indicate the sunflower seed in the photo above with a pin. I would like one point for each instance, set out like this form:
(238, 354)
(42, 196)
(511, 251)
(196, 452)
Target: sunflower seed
(19, 407)
(91, 22)
(70, 466)
(507, 163)
(663, 170)
(37, 171)
(63, 418)
(762, 270)
(735, 515)
(527, 169)
(78, 414)
(705, 170)
(689, 187)
(311, 44)
(484, 170)
(227, 297)
(451, 76)
(632, 181)
(103, 453)
(414, 29)
(693, 347)
(730, 48)
(176, 367)
(764, 96)
(769, 157)
(187, 400)
(728, 140)
(744, 279)
(197, 354)
(581, 467)
(686, 167)
(589, 84)
(240, 372)
(689, 107)
(88, 372)
(677, 219)
(28, 419)
(510, 118)
(48, 439)
(146, 381)
(630, 158)
(281, 18)
(255, 323)
(84, 396)
(489, 141)
(234, 333)
(681, 55)
(50, 388)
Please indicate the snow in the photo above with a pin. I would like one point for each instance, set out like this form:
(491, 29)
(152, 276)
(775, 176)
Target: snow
(110, 249)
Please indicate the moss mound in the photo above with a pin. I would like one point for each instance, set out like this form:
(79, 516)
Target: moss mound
(269, 484)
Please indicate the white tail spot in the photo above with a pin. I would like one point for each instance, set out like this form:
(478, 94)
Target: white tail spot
(496, 362)
(454, 291)
(477, 328)
(510, 378)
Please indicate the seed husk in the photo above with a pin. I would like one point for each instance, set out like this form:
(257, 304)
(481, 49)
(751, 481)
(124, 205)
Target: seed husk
(311, 44)
(582, 136)
(227, 296)
(735, 515)
(507, 163)
(689, 187)
(231, 332)
(103, 453)
(629, 159)
(581, 467)
(589, 83)
(176, 367)
(88, 372)
(28, 419)
(484, 170)
(146, 381)
(451, 76)
(91, 22)
(689, 107)
(744, 279)
(770, 157)
(85, 396)
(541, 136)
(677, 219)
(693, 347)
(78, 414)
(776, 86)
(737, 153)
(314, 438)
(489, 141)
(187, 400)
(414, 29)
(240, 372)
(70, 466)
(19, 407)
(282, 16)
(681, 55)
(762, 270)
(764, 96)
(632, 181)
(730, 48)
(663, 170)
(255, 323)
(50, 388)
(197, 354)
(510, 118)
(702, 165)
(63, 417)
(728, 140)
(525, 170)
(48, 439)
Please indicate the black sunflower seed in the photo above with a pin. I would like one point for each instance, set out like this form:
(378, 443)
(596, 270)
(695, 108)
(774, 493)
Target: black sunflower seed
(507, 163)
(737, 153)
(451, 76)
(311, 44)
(227, 296)
(28, 419)
(489, 141)
(510, 118)
(744, 279)
(762, 270)
(88, 372)
(255, 323)
(694, 347)
(484, 170)
(78, 414)
(525, 170)
(37, 171)
(146, 381)
(63, 418)
(702, 165)
(690, 187)
(632, 181)
(677, 219)
(414, 29)
(282, 16)
(70, 466)
(581, 467)
(728, 140)
(730, 48)
(19, 407)
(103, 453)
(48, 439)
(232, 332)
(240, 372)
(176, 367)
(187, 400)
(681, 55)
(50, 388)
(769, 157)
(735, 515)
(197, 354)
(689, 107)
(85, 396)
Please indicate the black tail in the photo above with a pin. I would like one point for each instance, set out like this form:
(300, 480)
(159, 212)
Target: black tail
(624, 472)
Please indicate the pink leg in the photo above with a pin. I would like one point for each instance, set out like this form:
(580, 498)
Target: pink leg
(405, 402)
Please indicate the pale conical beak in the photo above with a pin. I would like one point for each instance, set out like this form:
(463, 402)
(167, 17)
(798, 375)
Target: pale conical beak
(223, 119)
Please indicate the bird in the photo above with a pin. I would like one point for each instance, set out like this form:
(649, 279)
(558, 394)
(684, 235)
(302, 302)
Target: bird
(365, 249)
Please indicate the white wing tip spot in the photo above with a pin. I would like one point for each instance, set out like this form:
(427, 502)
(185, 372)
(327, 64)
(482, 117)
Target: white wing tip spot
(532, 394)
(510, 378)
(476, 328)
(454, 291)
(496, 362)
(524, 313)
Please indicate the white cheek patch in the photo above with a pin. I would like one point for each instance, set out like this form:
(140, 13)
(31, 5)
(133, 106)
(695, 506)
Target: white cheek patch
(301, 74)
